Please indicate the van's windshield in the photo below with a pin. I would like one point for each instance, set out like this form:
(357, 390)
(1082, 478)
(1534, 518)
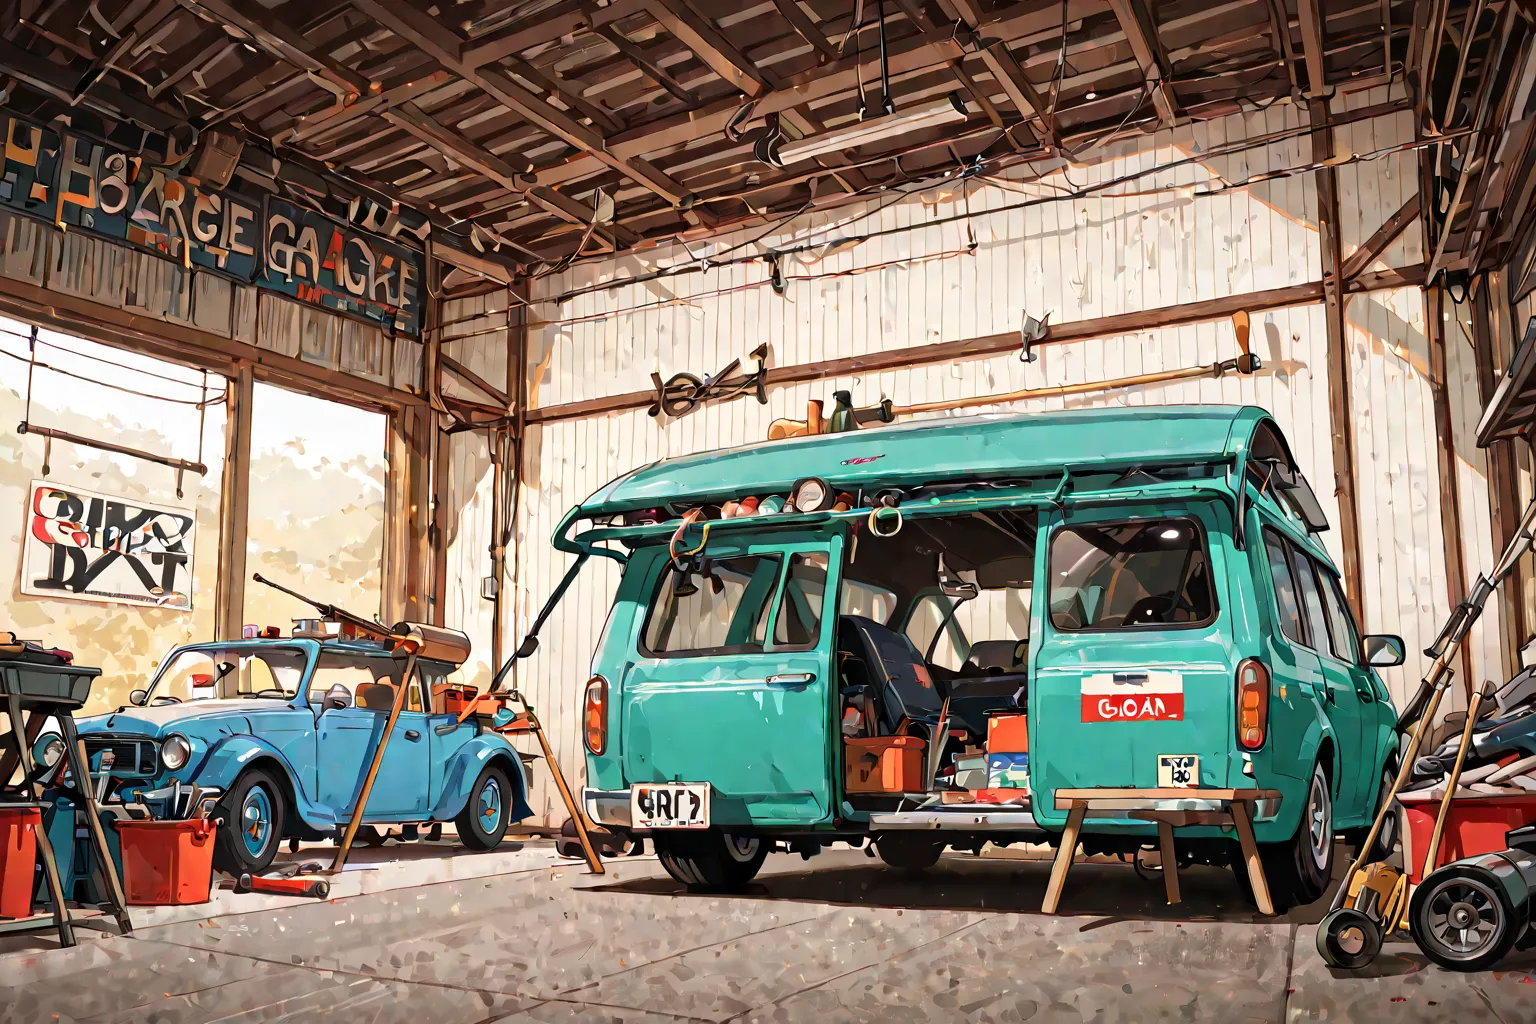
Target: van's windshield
(1130, 574)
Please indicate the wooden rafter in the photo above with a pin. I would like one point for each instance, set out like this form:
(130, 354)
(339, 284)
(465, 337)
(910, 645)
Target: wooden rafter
(282, 41)
(1384, 236)
(1311, 19)
(1141, 33)
(701, 36)
(445, 47)
(806, 28)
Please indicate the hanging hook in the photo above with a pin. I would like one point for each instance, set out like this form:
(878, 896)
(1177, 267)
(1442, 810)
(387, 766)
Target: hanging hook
(47, 454)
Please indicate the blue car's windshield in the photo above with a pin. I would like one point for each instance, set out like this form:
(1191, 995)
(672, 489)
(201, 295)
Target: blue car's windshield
(267, 672)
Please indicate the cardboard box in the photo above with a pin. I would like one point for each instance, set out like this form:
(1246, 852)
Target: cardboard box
(1007, 771)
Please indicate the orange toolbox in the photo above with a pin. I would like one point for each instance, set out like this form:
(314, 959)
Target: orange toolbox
(167, 863)
(884, 764)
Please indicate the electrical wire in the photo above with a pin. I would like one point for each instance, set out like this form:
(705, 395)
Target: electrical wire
(1082, 192)
(98, 359)
(195, 403)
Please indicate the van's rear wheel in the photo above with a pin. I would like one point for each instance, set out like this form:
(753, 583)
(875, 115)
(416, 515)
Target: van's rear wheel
(710, 861)
(1299, 869)
(909, 850)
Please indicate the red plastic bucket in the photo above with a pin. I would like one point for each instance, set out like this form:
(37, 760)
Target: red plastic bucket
(167, 863)
(1475, 825)
(18, 857)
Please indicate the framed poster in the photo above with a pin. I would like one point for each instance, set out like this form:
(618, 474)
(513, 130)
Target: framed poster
(83, 545)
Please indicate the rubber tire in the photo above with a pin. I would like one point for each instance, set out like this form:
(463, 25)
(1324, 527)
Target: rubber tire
(1294, 877)
(1418, 920)
(909, 851)
(1334, 929)
(471, 835)
(710, 861)
(1386, 841)
(229, 852)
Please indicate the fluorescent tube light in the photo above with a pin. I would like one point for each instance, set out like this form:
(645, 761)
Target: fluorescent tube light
(943, 111)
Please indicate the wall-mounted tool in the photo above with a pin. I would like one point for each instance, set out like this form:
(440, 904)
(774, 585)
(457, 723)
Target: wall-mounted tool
(682, 392)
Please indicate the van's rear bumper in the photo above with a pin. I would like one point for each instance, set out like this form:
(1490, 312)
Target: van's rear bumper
(607, 806)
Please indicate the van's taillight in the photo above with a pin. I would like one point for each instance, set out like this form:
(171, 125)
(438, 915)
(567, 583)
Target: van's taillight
(595, 715)
(1252, 704)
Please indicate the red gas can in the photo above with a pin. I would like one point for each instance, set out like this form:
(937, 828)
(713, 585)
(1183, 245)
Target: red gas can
(18, 856)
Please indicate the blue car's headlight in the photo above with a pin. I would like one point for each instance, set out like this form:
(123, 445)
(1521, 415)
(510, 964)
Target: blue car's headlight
(49, 750)
(175, 752)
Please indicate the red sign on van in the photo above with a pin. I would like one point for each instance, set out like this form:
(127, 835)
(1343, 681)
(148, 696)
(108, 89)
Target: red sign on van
(1133, 697)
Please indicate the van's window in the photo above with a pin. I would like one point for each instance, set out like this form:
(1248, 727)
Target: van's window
(722, 608)
(799, 621)
(867, 600)
(1346, 644)
(1129, 575)
(1311, 602)
(953, 646)
(1286, 607)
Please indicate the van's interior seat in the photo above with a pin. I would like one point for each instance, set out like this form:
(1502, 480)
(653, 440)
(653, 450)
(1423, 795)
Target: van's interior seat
(903, 686)
(993, 657)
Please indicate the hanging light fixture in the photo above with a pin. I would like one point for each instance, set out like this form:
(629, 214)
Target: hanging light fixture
(948, 110)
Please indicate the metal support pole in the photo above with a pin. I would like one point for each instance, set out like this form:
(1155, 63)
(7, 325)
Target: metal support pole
(373, 767)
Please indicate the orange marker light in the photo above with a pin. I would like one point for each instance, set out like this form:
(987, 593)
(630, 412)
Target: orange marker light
(1252, 704)
(595, 715)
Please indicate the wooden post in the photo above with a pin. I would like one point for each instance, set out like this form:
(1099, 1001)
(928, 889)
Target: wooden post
(101, 853)
(1250, 849)
(1340, 414)
(1449, 471)
(1503, 499)
(437, 533)
(373, 766)
(1170, 860)
(234, 505)
(1064, 854)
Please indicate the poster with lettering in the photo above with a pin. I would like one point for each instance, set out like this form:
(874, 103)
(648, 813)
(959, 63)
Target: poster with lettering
(120, 196)
(83, 545)
(319, 261)
(30, 165)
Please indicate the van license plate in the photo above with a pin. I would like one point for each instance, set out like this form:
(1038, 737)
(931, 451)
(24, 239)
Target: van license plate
(1178, 771)
(669, 805)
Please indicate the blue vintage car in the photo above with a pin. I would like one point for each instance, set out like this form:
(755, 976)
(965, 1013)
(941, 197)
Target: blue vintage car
(281, 732)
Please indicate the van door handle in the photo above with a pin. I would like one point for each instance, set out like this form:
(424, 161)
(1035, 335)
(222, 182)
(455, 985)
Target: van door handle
(794, 680)
(412, 735)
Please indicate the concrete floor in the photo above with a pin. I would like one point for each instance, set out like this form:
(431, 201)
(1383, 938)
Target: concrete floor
(840, 938)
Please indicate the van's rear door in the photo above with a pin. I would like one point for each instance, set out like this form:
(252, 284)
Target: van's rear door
(732, 683)
(1133, 663)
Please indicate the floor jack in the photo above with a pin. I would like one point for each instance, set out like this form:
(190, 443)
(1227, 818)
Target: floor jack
(281, 881)
(1371, 903)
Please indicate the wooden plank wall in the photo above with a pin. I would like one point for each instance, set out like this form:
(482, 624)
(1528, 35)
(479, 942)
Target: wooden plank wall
(1072, 258)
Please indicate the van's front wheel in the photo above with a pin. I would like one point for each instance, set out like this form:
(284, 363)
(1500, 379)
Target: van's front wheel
(710, 861)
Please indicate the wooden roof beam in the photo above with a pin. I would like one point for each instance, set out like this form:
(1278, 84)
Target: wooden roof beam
(1311, 19)
(280, 40)
(999, 60)
(1141, 33)
(640, 59)
(701, 36)
(807, 29)
(520, 36)
(446, 47)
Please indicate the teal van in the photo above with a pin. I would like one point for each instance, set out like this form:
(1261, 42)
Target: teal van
(1144, 584)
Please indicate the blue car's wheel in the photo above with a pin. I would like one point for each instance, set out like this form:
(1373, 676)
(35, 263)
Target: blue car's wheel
(483, 821)
(253, 811)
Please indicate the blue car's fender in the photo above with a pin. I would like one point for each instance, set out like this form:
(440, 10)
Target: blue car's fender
(465, 766)
(234, 754)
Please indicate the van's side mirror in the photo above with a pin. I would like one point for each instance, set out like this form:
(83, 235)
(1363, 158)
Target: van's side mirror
(1383, 650)
(138, 697)
(337, 697)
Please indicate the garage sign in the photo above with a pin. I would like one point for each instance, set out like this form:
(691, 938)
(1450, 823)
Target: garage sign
(1133, 697)
(83, 545)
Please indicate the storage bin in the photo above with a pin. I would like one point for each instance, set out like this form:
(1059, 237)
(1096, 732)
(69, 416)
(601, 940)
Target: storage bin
(1474, 825)
(1008, 734)
(884, 764)
(167, 863)
(18, 855)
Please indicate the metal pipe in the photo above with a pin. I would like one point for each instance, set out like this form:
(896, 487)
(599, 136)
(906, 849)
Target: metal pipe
(116, 449)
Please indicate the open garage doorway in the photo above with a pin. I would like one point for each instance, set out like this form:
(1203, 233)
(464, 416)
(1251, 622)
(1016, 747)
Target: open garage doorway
(317, 500)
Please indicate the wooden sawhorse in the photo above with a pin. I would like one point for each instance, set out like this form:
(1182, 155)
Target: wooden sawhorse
(1171, 808)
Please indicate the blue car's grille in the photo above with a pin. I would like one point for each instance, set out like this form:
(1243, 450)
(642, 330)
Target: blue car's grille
(133, 755)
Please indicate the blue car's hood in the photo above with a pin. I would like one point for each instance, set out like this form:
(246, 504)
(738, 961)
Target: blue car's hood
(167, 718)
